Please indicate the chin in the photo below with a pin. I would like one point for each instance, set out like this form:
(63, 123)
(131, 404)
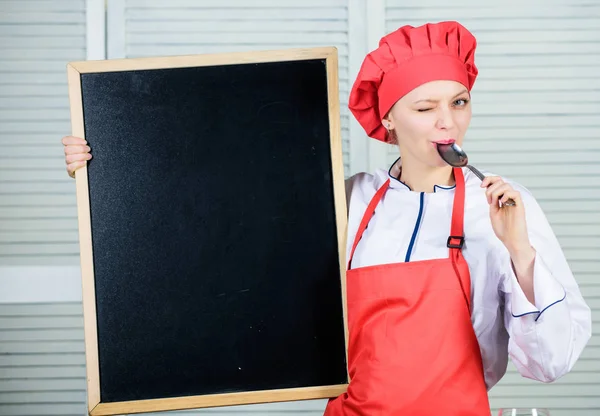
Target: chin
(436, 161)
(441, 164)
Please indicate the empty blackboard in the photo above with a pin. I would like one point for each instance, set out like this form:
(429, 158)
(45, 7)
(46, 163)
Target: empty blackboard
(212, 229)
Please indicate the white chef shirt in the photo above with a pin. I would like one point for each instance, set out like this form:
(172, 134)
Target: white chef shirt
(543, 340)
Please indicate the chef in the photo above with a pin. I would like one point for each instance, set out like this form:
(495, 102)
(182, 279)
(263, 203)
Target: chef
(445, 281)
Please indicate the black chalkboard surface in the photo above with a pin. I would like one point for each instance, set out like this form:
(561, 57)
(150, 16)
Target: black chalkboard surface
(212, 226)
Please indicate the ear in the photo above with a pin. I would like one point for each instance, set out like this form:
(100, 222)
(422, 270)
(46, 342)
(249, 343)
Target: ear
(387, 124)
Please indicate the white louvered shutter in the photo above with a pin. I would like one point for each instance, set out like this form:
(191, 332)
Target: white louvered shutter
(536, 119)
(42, 361)
(139, 28)
(42, 366)
(38, 224)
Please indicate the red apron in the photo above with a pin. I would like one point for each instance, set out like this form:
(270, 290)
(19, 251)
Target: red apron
(412, 349)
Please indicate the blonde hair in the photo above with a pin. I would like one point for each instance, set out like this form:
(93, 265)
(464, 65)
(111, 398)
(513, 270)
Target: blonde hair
(392, 137)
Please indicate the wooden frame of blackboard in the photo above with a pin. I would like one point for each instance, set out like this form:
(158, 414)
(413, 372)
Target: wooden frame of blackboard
(74, 70)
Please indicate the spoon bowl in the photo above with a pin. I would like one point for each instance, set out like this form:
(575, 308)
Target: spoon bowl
(456, 157)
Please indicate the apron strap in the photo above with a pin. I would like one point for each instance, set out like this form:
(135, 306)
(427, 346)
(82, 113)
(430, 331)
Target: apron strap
(367, 217)
(456, 239)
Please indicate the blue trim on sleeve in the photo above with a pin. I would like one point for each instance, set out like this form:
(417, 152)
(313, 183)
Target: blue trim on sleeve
(552, 304)
(542, 311)
(416, 230)
(523, 314)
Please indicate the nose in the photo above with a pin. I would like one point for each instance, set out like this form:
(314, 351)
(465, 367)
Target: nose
(445, 120)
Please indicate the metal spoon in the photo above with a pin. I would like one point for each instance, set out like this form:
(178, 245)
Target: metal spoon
(455, 156)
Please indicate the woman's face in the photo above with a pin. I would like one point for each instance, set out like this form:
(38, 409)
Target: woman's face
(438, 111)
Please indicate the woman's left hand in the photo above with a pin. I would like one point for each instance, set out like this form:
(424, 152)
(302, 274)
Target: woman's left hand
(508, 222)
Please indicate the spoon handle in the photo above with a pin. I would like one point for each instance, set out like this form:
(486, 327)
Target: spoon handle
(476, 172)
(510, 202)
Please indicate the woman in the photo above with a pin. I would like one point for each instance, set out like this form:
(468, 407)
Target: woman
(444, 281)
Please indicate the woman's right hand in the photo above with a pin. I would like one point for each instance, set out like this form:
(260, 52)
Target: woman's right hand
(77, 153)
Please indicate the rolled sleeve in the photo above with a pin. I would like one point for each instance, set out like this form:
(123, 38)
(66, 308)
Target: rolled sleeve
(548, 291)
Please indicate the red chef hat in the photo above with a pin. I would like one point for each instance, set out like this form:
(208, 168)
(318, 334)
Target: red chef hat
(405, 59)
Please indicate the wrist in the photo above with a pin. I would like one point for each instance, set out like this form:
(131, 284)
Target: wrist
(522, 256)
(519, 249)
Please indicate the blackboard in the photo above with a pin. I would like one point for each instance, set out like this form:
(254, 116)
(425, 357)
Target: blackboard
(212, 229)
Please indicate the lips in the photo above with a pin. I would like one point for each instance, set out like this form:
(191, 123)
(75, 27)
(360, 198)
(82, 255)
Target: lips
(445, 141)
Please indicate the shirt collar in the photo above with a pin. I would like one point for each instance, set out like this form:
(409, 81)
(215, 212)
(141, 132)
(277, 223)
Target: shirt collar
(393, 174)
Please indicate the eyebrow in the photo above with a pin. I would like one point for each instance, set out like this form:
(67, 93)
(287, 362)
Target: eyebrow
(434, 101)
